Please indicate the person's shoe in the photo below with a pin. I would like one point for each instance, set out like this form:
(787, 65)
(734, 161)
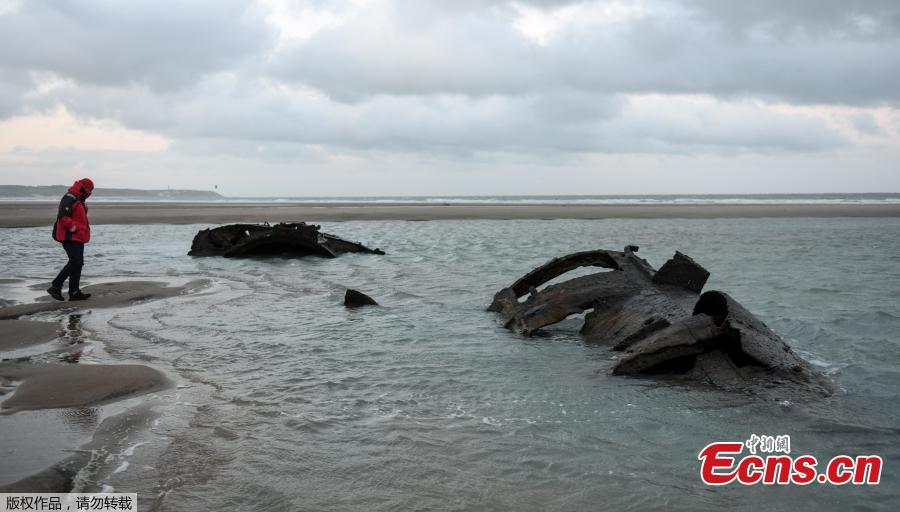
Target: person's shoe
(55, 292)
(79, 295)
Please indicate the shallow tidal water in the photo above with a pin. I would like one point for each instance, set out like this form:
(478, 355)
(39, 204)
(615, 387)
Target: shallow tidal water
(283, 398)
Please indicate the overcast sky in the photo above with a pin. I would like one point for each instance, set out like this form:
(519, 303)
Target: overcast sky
(476, 97)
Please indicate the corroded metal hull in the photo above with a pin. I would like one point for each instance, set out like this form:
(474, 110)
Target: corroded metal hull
(659, 321)
(286, 239)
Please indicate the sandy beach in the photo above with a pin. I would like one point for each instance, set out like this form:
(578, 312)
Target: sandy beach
(16, 334)
(51, 386)
(44, 386)
(45, 378)
(104, 295)
(32, 214)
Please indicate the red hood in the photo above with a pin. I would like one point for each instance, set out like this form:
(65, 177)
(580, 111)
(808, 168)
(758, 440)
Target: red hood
(82, 188)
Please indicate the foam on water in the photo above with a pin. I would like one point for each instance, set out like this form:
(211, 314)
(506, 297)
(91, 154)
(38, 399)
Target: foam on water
(130, 450)
(283, 398)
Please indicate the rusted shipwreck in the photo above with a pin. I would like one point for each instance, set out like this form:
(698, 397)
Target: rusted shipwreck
(659, 320)
(285, 239)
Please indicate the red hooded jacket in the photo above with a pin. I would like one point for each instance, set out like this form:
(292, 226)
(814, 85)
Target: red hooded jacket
(72, 221)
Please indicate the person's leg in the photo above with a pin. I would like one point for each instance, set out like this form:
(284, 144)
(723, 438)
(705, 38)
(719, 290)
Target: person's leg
(61, 277)
(55, 289)
(76, 261)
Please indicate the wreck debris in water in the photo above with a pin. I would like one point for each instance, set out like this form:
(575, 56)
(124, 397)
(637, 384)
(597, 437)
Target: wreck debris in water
(357, 299)
(659, 320)
(285, 239)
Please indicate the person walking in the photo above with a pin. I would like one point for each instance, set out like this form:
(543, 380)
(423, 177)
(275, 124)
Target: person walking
(72, 230)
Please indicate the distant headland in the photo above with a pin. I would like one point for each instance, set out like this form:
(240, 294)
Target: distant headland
(56, 191)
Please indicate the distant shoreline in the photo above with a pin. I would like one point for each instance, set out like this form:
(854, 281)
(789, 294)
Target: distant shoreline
(50, 192)
(21, 193)
(17, 214)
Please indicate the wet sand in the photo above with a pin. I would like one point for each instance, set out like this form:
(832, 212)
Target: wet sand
(32, 383)
(51, 386)
(33, 214)
(61, 476)
(104, 295)
(15, 334)
(71, 385)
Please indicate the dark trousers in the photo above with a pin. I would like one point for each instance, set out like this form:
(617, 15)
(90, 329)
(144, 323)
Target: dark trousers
(72, 270)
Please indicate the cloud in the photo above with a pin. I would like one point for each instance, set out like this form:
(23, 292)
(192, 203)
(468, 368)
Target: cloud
(13, 88)
(825, 18)
(319, 82)
(268, 114)
(164, 45)
(682, 50)
(865, 123)
(388, 50)
(60, 130)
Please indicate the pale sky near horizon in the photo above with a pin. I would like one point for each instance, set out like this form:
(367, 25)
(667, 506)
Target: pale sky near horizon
(463, 97)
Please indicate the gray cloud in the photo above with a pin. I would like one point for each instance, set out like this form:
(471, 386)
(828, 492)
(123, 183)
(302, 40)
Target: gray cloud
(672, 51)
(13, 88)
(397, 52)
(454, 78)
(865, 123)
(164, 45)
(223, 108)
(853, 18)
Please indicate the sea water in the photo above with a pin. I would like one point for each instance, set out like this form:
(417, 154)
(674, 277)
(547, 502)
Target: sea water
(281, 397)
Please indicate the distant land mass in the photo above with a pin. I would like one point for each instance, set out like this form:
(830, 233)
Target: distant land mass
(56, 191)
